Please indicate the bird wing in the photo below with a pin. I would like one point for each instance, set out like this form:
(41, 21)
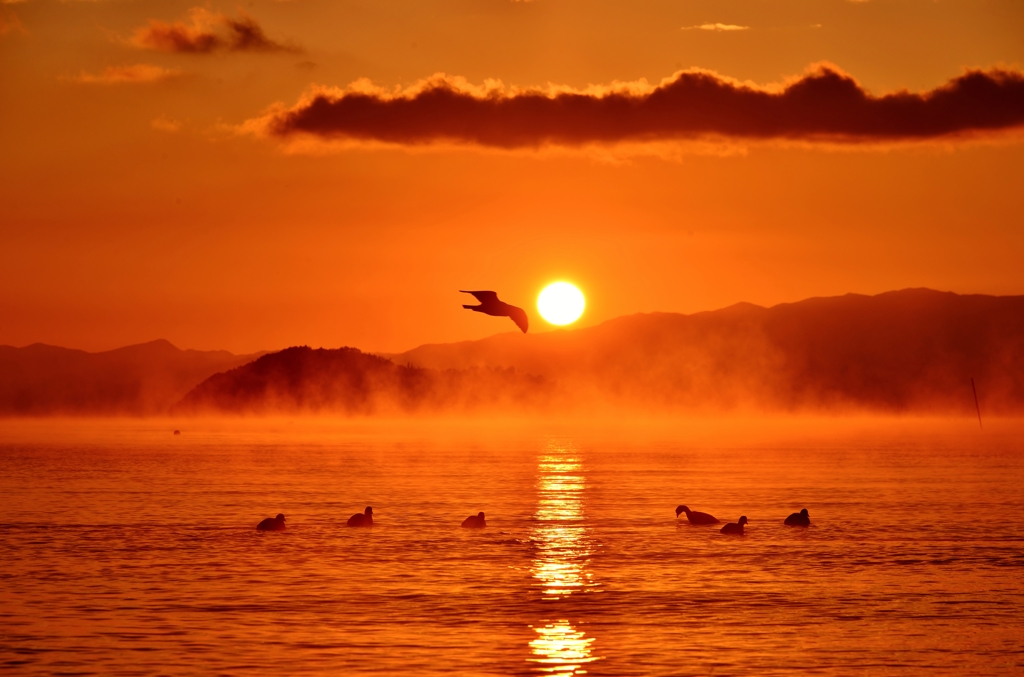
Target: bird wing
(482, 296)
(518, 316)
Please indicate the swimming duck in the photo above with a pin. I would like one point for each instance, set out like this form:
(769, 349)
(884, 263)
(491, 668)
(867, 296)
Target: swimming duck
(362, 519)
(696, 517)
(798, 519)
(735, 528)
(272, 524)
(474, 521)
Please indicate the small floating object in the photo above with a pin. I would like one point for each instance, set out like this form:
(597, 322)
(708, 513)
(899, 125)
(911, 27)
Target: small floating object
(474, 521)
(177, 432)
(799, 519)
(272, 524)
(735, 528)
(362, 519)
(696, 517)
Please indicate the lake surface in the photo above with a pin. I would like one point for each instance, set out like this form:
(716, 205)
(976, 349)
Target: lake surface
(127, 550)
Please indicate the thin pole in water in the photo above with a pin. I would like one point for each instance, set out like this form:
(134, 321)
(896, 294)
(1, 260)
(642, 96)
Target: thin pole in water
(976, 406)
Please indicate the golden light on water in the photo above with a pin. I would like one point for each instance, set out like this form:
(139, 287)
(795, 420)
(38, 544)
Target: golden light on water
(561, 303)
(560, 565)
(561, 649)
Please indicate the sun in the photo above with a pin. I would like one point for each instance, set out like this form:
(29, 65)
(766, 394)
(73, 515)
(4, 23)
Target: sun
(561, 303)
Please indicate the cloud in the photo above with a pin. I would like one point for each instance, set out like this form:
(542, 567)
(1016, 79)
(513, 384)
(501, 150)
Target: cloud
(9, 22)
(165, 124)
(718, 28)
(139, 73)
(824, 105)
(208, 32)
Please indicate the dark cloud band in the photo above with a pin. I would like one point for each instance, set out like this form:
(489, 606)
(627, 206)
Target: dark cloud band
(823, 105)
(208, 32)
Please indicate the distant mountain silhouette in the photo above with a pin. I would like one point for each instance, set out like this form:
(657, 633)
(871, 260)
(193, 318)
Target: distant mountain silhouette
(910, 351)
(346, 380)
(913, 350)
(143, 379)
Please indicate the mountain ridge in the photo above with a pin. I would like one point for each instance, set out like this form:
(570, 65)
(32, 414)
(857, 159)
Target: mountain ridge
(905, 351)
(883, 352)
(348, 381)
(139, 379)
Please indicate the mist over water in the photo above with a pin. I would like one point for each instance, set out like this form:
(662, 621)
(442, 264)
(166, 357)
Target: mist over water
(131, 551)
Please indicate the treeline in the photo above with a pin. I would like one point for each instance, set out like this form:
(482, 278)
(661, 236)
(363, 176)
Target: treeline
(348, 381)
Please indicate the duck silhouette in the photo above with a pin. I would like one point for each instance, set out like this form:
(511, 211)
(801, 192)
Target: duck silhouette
(734, 528)
(272, 524)
(474, 521)
(798, 519)
(696, 517)
(490, 305)
(362, 519)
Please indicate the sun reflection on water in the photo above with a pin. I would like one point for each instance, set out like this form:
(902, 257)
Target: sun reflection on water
(561, 649)
(563, 550)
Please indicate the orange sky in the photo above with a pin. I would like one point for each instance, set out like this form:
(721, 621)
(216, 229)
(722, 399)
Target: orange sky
(137, 203)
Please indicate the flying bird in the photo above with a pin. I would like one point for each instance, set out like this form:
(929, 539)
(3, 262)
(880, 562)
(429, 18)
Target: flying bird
(490, 305)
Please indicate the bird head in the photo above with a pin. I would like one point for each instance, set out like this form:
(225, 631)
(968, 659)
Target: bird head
(681, 509)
